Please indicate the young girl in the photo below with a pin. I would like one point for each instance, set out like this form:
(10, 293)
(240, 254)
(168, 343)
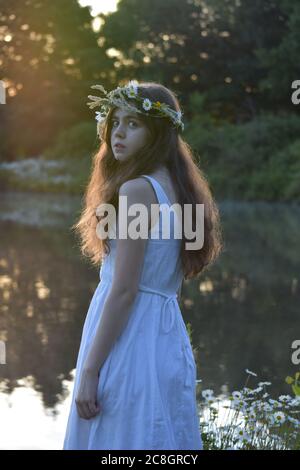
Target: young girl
(135, 384)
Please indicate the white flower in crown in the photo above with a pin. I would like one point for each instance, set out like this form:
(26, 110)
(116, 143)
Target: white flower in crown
(179, 115)
(99, 117)
(131, 89)
(147, 104)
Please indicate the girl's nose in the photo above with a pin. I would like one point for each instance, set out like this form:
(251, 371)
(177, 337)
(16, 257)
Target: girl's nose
(119, 131)
(120, 127)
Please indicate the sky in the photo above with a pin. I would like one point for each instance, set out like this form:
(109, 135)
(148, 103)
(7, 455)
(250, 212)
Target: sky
(99, 6)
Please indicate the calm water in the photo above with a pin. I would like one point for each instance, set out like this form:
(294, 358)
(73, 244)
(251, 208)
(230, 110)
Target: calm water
(244, 312)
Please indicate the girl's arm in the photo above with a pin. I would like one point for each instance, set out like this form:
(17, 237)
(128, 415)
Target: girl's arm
(114, 317)
(127, 271)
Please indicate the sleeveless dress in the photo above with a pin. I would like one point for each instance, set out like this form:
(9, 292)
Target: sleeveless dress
(147, 386)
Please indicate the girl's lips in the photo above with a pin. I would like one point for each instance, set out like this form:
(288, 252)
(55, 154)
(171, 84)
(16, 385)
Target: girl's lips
(119, 146)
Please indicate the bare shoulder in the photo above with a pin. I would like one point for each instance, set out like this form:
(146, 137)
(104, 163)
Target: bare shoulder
(138, 190)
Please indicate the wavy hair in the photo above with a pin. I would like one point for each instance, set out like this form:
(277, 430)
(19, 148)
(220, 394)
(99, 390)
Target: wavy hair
(165, 147)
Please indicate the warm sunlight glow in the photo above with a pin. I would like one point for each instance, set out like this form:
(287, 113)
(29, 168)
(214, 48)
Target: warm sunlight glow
(42, 290)
(206, 286)
(97, 6)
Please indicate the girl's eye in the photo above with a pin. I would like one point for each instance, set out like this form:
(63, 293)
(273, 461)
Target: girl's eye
(135, 124)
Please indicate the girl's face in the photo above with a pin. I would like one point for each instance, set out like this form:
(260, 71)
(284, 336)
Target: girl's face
(130, 131)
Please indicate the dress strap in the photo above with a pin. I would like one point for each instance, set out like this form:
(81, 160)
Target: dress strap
(160, 193)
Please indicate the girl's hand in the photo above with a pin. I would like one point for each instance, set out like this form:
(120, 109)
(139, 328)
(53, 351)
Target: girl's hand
(86, 399)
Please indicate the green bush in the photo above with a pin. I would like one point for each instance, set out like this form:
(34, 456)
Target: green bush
(279, 179)
(78, 141)
(259, 159)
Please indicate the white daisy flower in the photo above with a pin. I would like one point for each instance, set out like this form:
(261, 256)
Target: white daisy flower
(251, 373)
(295, 401)
(133, 83)
(99, 117)
(285, 398)
(267, 407)
(276, 404)
(236, 394)
(207, 393)
(294, 421)
(242, 435)
(279, 417)
(257, 390)
(179, 115)
(147, 104)
(210, 400)
(237, 404)
(247, 390)
(132, 89)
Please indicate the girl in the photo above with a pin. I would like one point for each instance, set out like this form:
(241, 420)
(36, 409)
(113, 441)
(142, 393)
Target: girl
(135, 384)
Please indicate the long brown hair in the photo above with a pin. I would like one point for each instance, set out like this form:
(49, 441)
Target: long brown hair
(165, 147)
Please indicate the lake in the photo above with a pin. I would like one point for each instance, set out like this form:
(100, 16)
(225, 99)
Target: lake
(244, 311)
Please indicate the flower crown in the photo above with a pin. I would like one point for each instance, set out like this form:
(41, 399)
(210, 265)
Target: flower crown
(121, 96)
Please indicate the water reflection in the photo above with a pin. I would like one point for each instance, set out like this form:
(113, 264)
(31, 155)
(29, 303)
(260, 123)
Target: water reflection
(244, 312)
(27, 424)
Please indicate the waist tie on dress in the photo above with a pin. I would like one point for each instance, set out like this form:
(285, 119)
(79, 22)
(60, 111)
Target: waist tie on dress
(167, 321)
(168, 314)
